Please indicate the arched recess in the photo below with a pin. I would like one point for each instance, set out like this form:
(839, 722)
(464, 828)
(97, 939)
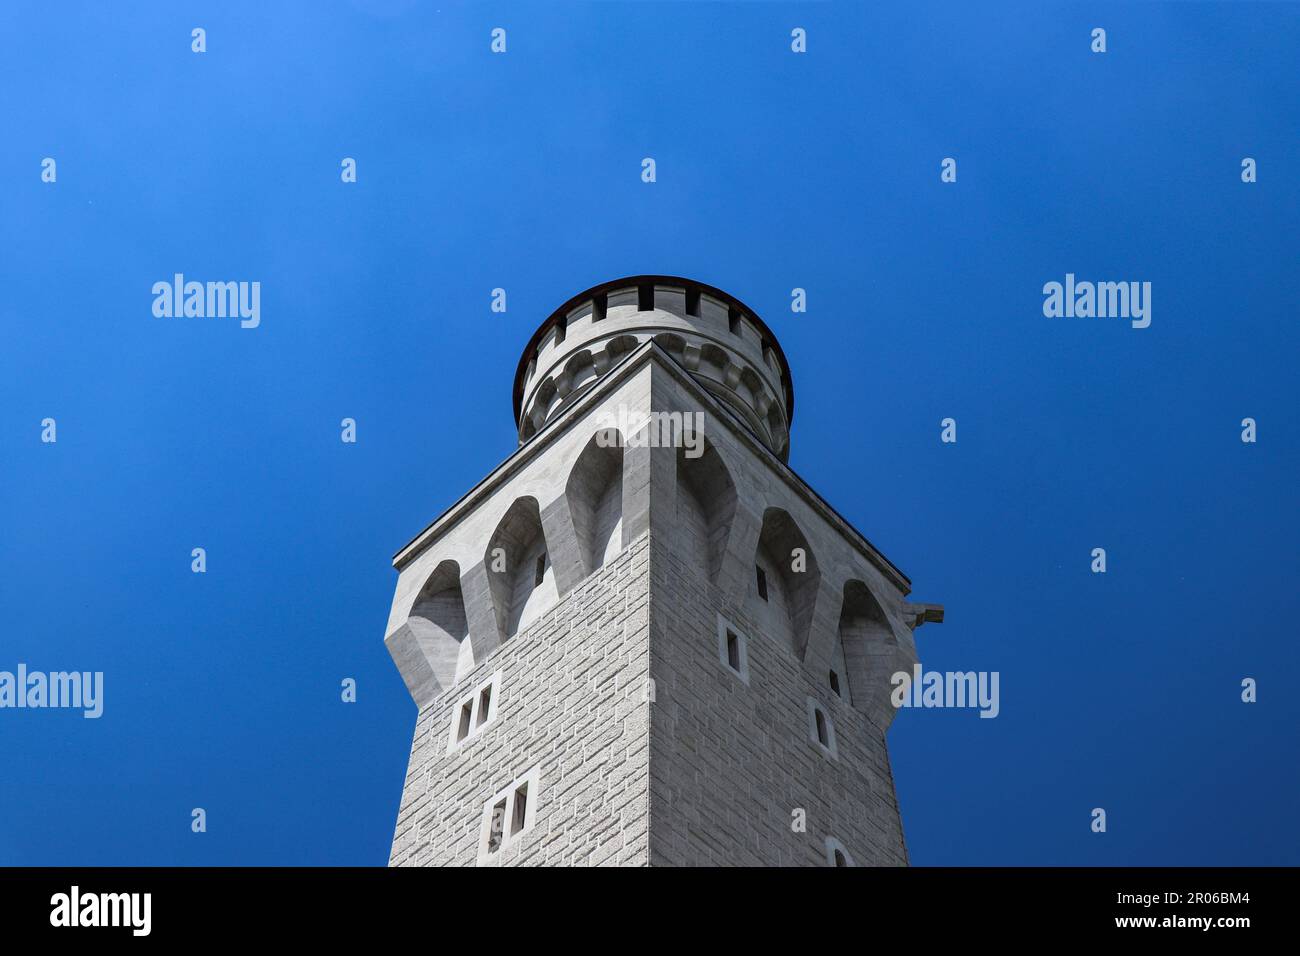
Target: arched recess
(788, 570)
(619, 346)
(595, 494)
(519, 568)
(579, 370)
(870, 651)
(671, 343)
(432, 648)
(438, 622)
(706, 505)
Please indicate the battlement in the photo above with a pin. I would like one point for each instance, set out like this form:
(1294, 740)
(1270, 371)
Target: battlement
(725, 346)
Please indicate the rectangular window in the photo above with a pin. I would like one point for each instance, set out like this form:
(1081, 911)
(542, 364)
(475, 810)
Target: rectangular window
(645, 298)
(509, 815)
(598, 307)
(521, 810)
(497, 828)
(466, 713)
(733, 320)
(474, 711)
(821, 729)
(561, 327)
(733, 649)
(835, 684)
(762, 583)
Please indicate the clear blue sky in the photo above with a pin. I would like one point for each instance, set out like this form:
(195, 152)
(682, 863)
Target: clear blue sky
(774, 171)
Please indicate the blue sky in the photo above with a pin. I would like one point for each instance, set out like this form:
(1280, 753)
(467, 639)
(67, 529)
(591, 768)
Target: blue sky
(522, 171)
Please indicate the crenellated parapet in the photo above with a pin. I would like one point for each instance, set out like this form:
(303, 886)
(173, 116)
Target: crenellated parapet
(724, 345)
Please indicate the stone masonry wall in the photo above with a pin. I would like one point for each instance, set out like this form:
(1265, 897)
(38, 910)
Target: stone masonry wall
(572, 698)
(730, 762)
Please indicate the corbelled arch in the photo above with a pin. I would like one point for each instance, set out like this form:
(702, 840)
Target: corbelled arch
(706, 506)
(595, 496)
(432, 645)
(871, 651)
(786, 569)
(519, 569)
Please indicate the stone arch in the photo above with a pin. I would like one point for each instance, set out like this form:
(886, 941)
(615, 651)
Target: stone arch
(671, 343)
(620, 345)
(749, 378)
(519, 568)
(579, 369)
(713, 360)
(438, 622)
(543, 398)
(706, 507)
(791, 576)
(776, 427)
(616, 347)
(595, 495)
(869, 650)
(432, 648)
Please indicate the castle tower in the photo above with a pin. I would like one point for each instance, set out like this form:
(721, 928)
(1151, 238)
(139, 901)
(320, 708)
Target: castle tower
(642, 639)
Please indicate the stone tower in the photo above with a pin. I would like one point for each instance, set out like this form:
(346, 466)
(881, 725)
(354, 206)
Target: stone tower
(642, 639)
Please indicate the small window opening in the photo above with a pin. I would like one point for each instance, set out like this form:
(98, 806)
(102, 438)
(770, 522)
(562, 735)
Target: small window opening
(561, 327)
(498, 826)
(840, 858)
(835, 684)
(463, 731)
(645, 298)
(733, 651)
(598, 306)
(822, 737)
(520, 811)
(484, 705)
(733, 320)
(541, 570)
(693, 302)
(762, 583)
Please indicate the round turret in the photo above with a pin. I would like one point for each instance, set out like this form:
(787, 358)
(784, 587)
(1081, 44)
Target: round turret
(714, 336)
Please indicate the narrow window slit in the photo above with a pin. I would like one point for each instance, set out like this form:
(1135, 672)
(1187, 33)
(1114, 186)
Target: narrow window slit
(463, 731)
(498, 826)
(521, 810)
